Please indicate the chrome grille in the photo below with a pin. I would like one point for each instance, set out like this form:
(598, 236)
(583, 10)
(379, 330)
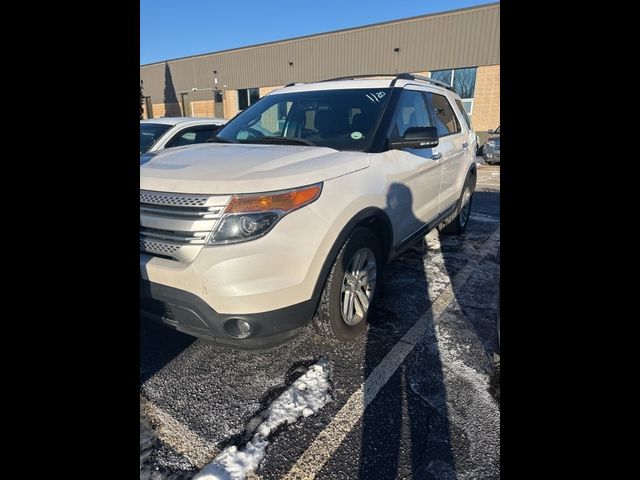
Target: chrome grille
(155, 247)
(177, 225)
(180, 238)
(196, 213)
(179, 199)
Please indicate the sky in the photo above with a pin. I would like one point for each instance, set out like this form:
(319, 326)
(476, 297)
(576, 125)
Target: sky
(171, 29)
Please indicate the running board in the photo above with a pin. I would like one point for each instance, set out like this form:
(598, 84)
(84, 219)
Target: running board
(422, 231)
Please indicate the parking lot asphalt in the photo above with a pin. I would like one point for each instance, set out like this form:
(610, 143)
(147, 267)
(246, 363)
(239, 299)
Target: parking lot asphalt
(410, 400)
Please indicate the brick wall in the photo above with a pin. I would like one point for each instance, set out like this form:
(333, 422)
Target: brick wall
(486, 104)
(270, 117)
(166, 110)
(230, 103)
(202, 108)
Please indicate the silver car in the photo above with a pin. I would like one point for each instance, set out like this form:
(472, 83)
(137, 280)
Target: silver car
(160, 133)
(491, 149)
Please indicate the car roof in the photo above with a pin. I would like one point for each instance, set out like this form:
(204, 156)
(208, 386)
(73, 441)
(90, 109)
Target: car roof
(187, 120)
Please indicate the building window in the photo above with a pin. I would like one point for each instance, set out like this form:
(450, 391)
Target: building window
(247, 96)
(463, 81)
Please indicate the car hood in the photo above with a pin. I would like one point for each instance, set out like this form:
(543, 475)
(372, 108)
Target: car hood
(242, 168)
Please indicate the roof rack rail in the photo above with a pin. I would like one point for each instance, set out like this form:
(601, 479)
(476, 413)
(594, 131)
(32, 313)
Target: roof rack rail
(411, 76)
(352, 77)
(396, 76)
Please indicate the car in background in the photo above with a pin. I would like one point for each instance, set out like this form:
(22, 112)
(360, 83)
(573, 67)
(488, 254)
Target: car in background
(491, 148)
(159, 133)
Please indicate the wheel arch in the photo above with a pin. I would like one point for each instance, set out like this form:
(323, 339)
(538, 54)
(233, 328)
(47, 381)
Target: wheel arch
(373, 218)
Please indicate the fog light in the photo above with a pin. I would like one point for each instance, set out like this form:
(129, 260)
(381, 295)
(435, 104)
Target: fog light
(244, 328)
(238, 328)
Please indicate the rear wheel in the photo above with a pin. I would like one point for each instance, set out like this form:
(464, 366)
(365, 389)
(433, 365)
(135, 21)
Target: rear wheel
(458, 223)
(351, 287)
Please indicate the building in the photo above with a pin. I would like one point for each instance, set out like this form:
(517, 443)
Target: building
(460, 47)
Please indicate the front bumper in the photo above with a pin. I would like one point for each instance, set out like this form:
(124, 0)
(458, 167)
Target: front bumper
(188, 313)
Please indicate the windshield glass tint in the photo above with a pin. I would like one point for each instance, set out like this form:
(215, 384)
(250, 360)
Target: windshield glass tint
(149, 133)
(339, 119)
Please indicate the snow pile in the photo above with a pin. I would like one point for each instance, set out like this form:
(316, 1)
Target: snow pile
(304, 397)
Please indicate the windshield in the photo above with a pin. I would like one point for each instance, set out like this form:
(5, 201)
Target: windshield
(340, 119)
(149, 134)
(497, 130)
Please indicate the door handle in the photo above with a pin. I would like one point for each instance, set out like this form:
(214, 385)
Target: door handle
(436, 156)
(465, 144)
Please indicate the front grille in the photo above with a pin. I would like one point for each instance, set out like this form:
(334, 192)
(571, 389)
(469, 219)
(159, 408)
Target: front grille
(176, 237)
(156, 247)
(177, 225)
(196, 213)
(179, 199)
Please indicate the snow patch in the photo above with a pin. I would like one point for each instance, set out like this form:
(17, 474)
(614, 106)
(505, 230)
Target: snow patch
(432, 240)
(305, 397)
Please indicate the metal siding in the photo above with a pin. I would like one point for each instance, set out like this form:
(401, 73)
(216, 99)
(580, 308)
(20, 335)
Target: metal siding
(451, 40)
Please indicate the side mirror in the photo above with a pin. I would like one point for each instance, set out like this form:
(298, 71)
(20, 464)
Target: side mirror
(490, 131)
(416, 137)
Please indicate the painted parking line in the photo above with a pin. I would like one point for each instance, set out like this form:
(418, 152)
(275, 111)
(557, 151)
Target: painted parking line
(178, 436)
(328, 440)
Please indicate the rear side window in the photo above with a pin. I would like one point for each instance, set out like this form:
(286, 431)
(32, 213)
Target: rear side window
(464, 113)
(150, 133)
(443, 116)
(193, 135)
(410, 112)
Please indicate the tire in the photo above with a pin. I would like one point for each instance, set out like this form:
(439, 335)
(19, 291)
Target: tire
(329, 319)
(458, 224)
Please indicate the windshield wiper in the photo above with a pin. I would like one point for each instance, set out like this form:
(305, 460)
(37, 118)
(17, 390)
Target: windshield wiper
(218, 140)
(280, 140)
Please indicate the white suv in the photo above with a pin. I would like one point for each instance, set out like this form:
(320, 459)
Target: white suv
(292, 215)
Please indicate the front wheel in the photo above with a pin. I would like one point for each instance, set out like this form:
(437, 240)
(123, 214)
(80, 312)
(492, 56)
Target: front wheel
(461, 215)
(350, 288)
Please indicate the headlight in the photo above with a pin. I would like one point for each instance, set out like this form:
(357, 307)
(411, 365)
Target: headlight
(247, 217)
(491, 143)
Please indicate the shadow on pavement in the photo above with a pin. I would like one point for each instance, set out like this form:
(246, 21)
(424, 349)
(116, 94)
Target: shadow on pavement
(407, 430)
(158, 346)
